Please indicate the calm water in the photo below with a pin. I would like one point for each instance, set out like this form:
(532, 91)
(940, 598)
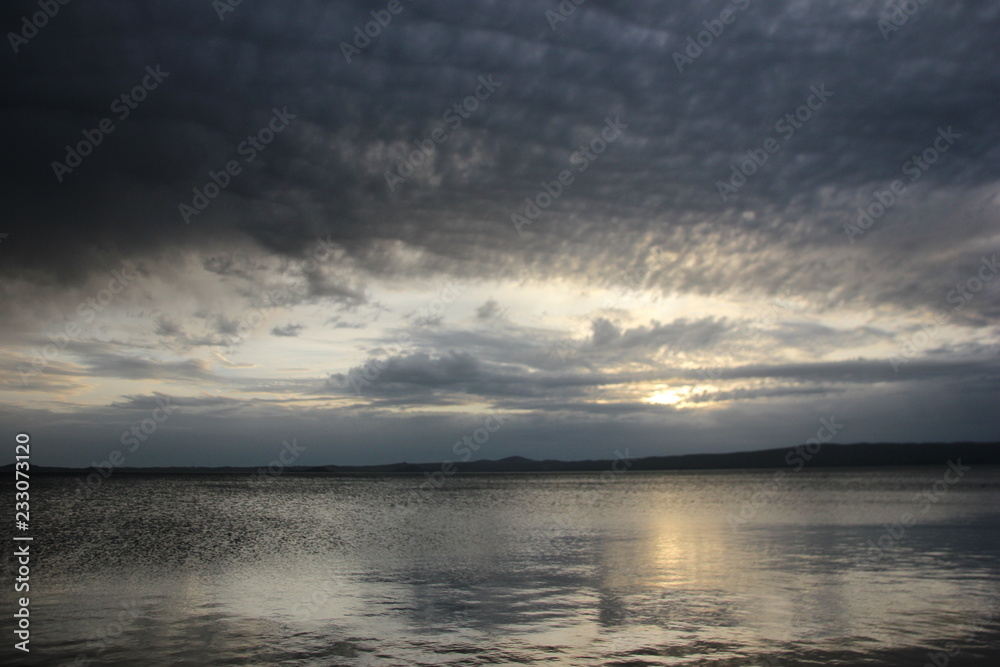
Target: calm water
(644, 569)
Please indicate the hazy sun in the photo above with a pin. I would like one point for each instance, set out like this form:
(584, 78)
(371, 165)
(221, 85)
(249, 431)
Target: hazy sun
(679, 397)
(668, 397)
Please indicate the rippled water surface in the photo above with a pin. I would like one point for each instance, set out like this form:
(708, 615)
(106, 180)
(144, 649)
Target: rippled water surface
(645, 569)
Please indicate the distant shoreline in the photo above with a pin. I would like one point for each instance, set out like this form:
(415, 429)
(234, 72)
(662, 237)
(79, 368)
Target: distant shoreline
(859, 455)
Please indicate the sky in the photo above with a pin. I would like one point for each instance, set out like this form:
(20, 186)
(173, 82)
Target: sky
(365, 232)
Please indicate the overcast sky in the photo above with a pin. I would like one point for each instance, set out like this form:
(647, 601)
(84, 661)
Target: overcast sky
(619, 224)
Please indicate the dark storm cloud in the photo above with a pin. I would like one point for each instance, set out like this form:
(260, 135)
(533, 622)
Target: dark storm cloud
(325, 173)
(327, 193)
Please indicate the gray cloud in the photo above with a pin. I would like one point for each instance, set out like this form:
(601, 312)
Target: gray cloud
(288, 331)
(105, 361)
(644, 216)
(489, 310)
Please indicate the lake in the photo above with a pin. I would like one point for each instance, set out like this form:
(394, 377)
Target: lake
(722, 568)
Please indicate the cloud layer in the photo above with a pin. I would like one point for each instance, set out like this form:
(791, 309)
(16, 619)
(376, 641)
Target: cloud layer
(720, 219)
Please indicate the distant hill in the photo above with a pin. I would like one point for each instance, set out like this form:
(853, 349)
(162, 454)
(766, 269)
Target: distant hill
(829, 456)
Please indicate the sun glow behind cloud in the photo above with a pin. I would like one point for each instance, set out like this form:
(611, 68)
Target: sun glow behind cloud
(674, 397)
